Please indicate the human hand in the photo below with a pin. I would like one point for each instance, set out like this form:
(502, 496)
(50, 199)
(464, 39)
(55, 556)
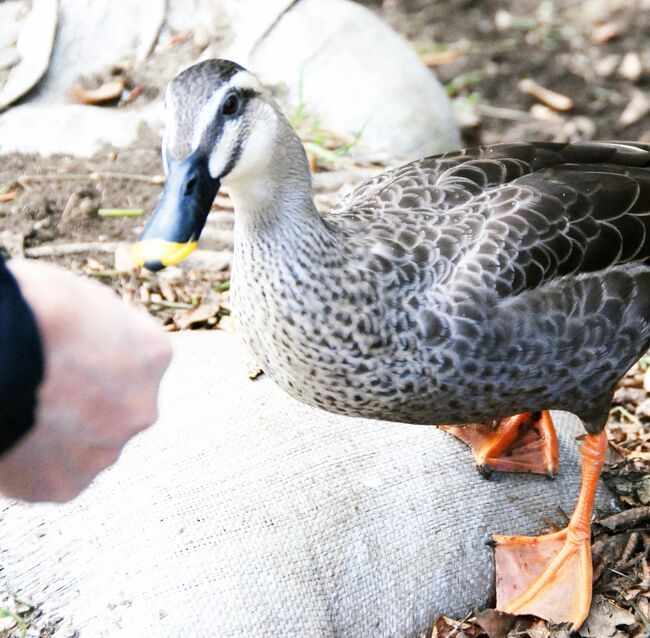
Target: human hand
(103, 364)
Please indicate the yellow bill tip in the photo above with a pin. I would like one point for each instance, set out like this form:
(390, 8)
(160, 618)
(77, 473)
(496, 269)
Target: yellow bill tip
(155, 254)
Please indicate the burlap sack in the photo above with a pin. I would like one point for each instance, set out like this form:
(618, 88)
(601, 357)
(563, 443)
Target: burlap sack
(244, 513)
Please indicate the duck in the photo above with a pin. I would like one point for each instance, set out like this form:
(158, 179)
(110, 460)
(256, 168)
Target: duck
(477, 289)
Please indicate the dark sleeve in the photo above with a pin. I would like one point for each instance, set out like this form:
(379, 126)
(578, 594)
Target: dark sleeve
(21, 362)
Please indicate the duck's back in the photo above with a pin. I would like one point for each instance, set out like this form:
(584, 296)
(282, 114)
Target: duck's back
(512, 215)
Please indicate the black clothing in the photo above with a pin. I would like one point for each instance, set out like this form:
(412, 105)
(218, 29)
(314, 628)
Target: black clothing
(21, 362)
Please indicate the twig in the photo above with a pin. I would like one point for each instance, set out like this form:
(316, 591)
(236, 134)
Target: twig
(502, 113)
(173, 305)
(60, 250)
(8, 196)
(629, 548)
(645, 583)
(627, 518)
(555, 100)
(156, 180)
(108, 274)
(71, 203)
(615, 571)
(120, 212)
(456, 629)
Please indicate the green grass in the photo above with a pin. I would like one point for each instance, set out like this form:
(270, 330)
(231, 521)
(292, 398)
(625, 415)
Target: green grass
(222, 287)
(120, 212)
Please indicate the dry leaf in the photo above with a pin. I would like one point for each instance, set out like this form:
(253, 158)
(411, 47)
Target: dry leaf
(539, 629)
(107, 92)
(496, 624)
(199, 315)
(605, 618)
(448, 628)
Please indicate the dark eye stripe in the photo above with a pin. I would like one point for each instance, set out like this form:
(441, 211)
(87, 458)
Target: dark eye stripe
(213, 133)
(234, 158)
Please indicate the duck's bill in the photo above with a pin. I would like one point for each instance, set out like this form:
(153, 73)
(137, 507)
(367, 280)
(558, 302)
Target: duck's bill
(173, 230)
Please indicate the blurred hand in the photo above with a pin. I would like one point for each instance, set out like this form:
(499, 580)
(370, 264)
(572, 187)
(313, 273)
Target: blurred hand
(103, 364)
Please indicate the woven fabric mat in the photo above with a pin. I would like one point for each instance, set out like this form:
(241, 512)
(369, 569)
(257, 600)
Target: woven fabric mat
(244, 513)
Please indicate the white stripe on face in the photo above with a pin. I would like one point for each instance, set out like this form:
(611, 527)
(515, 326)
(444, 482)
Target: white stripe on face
(208, 113)
(171, 126)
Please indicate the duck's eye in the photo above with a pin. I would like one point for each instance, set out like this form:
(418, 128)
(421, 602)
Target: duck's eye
(230, 105)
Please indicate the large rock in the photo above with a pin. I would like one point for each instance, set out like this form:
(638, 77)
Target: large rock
(335, 58)
(353, 73)
(91, 38)
(244, 513)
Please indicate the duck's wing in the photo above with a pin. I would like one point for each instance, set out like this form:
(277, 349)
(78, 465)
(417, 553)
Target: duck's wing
(510, 216)
(585, 213)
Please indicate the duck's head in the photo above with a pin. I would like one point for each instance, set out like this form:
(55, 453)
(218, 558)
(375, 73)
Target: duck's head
(220, 127)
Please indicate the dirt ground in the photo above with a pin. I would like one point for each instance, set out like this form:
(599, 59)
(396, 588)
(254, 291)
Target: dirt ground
(83, 214)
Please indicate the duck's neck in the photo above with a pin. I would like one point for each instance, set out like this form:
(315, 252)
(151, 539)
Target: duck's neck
(282, 249)
(276, 205)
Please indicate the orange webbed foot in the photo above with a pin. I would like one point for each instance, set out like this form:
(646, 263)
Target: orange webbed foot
(550, 576)
(520, 443)
(547, 576)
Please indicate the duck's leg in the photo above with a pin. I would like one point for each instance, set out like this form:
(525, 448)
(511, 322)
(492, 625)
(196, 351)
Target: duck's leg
(521, 443)
(550, 576)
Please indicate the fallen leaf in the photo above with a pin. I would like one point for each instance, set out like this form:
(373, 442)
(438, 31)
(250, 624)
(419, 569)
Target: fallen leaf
(496, 624)
(448, 628)
(107, 92)
(539, 629)
(199, 315)
(605, 619)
